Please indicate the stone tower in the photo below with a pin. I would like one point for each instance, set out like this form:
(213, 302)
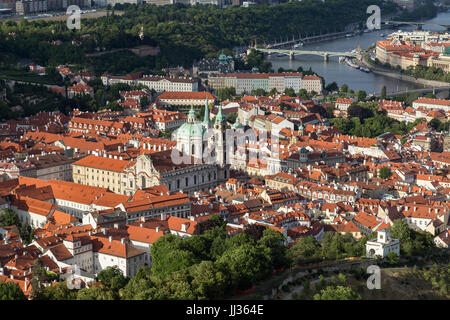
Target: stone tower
(220, 146)
(446, 146)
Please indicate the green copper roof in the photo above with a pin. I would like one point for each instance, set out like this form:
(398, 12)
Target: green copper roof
(219, 117)
(237, 124)
(222, 56)
(447, 51)
(191, 130)
(206, 116)
(191, 113)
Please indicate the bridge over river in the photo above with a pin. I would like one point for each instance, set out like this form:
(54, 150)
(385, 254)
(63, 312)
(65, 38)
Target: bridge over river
(325, 54)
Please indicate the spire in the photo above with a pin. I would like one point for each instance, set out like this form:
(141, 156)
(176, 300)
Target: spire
(219, 117)
(191, 115)
(206, 116)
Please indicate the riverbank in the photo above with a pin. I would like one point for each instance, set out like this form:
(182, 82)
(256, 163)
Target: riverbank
(403, 77)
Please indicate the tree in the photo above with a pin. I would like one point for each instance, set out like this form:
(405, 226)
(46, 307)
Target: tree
(383, 92)
(344, 88)
(169, 256)
(207, 281)
(11, 291)
(332, 87)
(255, 231)
(289, 92)
(9, 218)
(435, 123)
(273, 91)
(337, 293)
(39, 277)
(361, 95)
(303, 93)
(113, 278)
(258, 92)
(306, 247)
(274, 241)
(226, 93)
(244, 264)
(96, 293)
(412, 242)
(231, 117)
(213, 222)
(54, 75)
(330, 112)
(176, 285)
(140, 287)
(385, 172)
(392, 257)
(144, 102)
(355, 110)
(58, 291)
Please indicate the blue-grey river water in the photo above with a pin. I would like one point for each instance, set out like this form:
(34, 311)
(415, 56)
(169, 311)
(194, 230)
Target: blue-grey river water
(342, 73)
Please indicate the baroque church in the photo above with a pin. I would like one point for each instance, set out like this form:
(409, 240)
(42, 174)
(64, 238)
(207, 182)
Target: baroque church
(204, 142)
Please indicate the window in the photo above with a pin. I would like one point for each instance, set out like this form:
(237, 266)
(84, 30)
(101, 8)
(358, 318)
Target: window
(186, 180)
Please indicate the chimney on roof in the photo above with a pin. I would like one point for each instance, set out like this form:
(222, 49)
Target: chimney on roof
(1, 272)
(163, 216)
(122, 240)
(104, 231)
(141, 225)
(11, 276)
(110, 238)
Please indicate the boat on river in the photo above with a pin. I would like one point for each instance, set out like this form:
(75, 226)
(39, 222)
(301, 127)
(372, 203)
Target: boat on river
(351, 64)
(364, 69)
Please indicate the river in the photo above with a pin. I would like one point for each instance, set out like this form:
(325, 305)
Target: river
(340, 72)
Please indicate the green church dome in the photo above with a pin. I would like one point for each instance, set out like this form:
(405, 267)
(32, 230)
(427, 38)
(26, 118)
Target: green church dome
(237, 124)
(222, 56)
(191, 130)
(447, 51)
